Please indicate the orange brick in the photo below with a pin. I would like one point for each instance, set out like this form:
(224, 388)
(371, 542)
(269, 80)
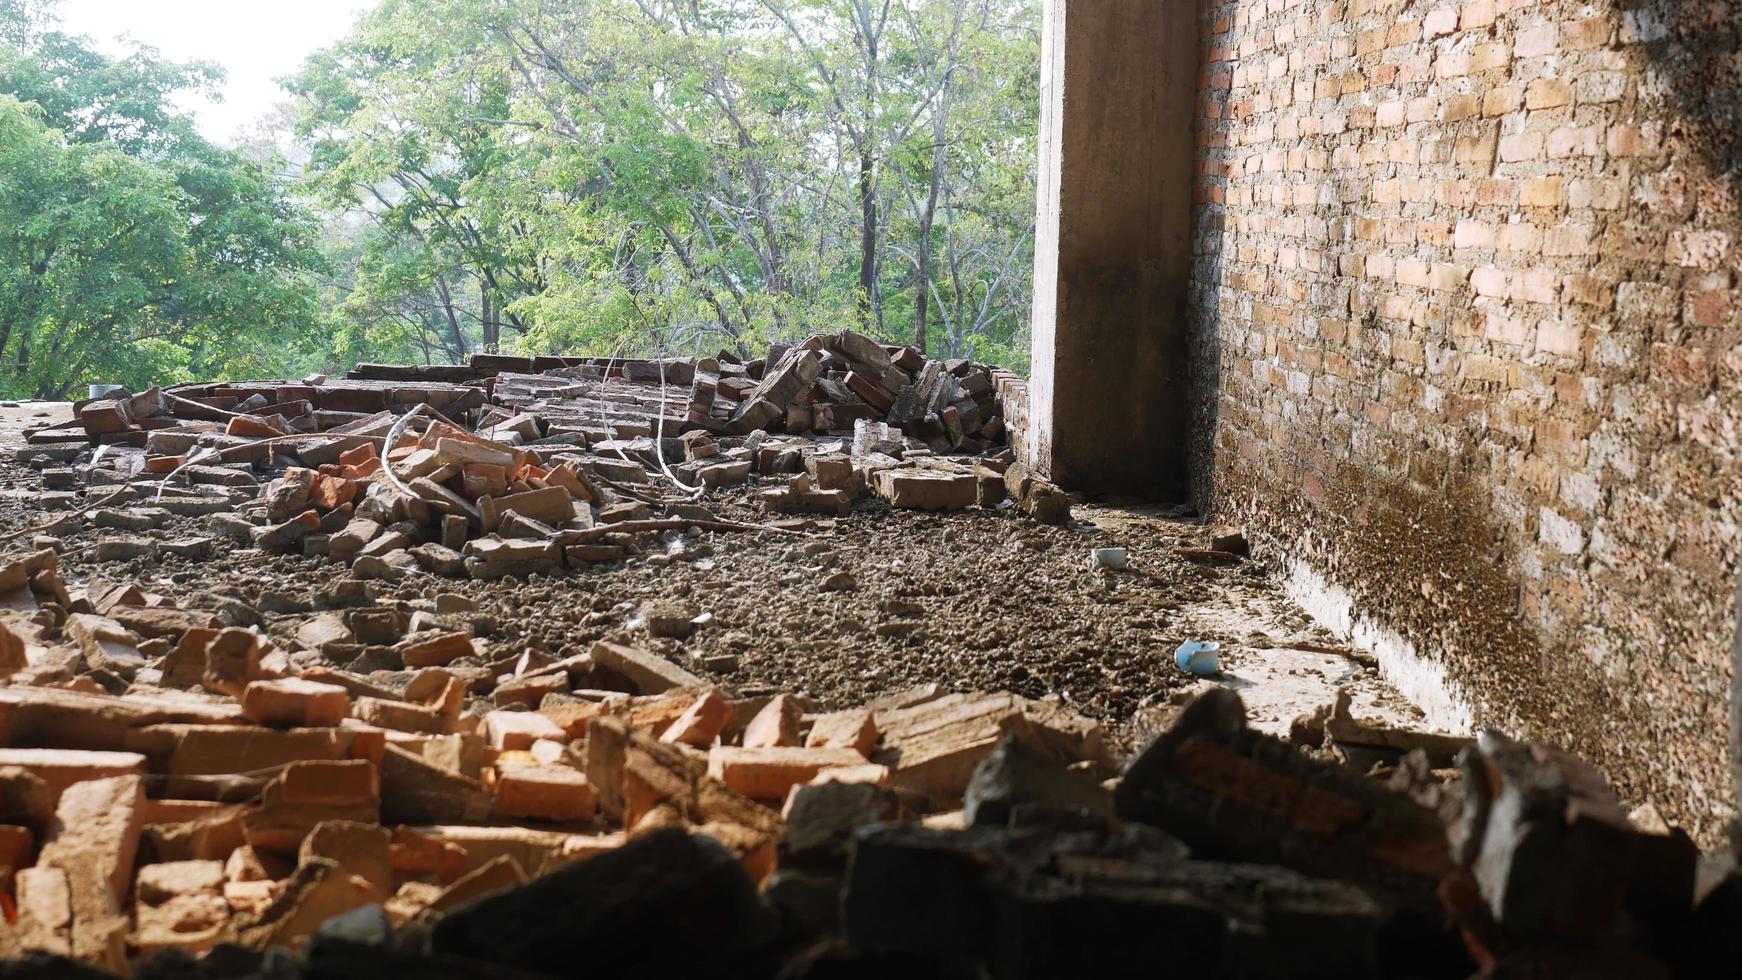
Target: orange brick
(60, 769)
(361, 471)
(414, 854)
(293, 702)
(574, 718)
(510, 730)
(438, 651)
(775, 725)
(701, 722)
(358, 456)
(165, 464)
(331, 493)
(768, 773)
(541, 792)
(325, 781)
(854, 729)
(252, 427)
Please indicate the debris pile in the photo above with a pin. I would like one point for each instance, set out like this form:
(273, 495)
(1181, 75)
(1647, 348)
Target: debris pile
(491, 472)
(176, 783)
(374, 791)
(343, 784)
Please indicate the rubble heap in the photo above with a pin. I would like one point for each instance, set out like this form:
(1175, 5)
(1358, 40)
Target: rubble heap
(352, 785)
(174, 783)
(511, 473)
(367, 786)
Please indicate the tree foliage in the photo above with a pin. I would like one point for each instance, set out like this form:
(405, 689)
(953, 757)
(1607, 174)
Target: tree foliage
(602, 175)
(586, 176)
(131, 248)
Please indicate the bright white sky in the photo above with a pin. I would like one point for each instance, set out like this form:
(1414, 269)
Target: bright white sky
(256, 41)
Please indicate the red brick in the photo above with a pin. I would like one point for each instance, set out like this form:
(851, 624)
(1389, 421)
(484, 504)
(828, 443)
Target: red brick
(292, 702)
(767, 773)
(541, 792)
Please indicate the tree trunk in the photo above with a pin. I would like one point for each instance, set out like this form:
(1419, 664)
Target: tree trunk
(940, 128)
(457, 334)
(867, 236)
(492, 324)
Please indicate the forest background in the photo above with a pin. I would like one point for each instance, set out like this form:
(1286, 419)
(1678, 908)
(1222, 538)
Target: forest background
(626, 177)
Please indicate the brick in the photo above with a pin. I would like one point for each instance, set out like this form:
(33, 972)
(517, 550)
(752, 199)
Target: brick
(702, 722)
(1534, 42)
(1488, 281)
(232, 661)
(511, 730)
(59, 770)
(854, 729)
(319, 890)
(650, 673)
(1472, 234)
(295, 703)
(308, 793)
(1547, 93)
(1541, 192)
(1559, 337)
(400, 716)
(97, 826)
(438, 650)
(94, 844)
(180, 905)
(204, 750)
(541, 792)
(1520, 147)
(551, 505)
(776, 725)
(253, 427)
(1474, 14)
(45, 913)
(914, 489)
(768, 773)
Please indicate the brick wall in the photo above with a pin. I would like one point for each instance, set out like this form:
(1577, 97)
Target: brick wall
(1467, 346)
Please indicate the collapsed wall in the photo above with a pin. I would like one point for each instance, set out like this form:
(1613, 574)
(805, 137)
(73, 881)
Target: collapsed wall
(1466, 353)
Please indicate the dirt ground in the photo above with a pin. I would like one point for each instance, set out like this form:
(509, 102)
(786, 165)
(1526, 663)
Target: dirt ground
(976, 600)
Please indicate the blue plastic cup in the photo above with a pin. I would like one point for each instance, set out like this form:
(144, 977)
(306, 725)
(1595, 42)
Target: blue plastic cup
(1198, 657)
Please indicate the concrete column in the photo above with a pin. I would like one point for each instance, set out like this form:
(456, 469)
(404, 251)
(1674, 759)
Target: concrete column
(1108, 410)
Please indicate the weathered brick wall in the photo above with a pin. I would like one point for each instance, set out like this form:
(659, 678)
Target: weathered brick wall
(1467, 341)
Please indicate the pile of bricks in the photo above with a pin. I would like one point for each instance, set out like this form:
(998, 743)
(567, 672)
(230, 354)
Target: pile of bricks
(828, 384)
(175, 783)
(493, 472)
(369, 791)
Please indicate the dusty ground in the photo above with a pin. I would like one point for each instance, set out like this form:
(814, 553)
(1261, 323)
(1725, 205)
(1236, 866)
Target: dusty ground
(974, 600)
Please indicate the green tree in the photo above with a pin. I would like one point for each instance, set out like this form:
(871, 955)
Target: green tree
(133, 250)
(688, 174)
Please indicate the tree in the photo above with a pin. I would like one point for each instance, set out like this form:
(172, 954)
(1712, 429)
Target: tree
(681, 175)
(132, 249)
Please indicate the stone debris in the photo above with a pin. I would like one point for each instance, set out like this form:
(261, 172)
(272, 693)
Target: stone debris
(514, 467)
(366, 790)
(328, 785)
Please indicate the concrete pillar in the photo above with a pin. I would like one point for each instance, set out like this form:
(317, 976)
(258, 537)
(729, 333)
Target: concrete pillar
(1108, 410)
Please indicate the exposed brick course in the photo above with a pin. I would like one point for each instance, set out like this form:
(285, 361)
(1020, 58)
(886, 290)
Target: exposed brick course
(1466, 344)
